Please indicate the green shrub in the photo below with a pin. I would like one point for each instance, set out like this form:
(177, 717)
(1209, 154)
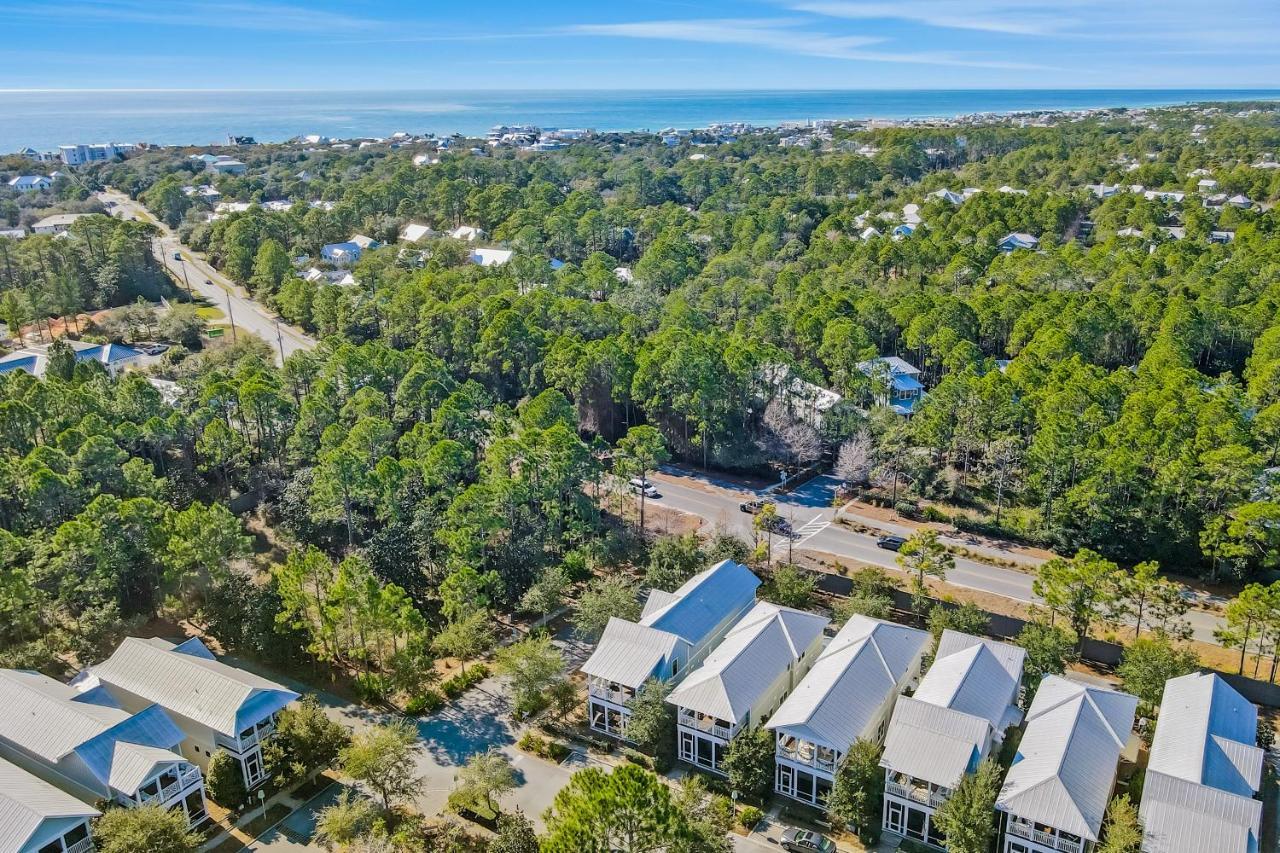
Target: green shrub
(552, 750)
(372, 686)
(427, 702)
(932, 513)
(464, 681)
(636, 757)
(749, 817)
(224, 781)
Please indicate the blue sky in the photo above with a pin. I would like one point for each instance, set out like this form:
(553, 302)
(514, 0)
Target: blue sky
(570, 44)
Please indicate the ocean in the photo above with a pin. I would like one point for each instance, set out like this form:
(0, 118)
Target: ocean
(45, 120)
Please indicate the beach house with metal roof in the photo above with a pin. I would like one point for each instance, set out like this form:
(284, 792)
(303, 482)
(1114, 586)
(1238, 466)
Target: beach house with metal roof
(1057, 790)
(743, 680)
(676, 631)
(36, 817)
(215, 706)
(961, 710)
(88, 746)
(896, 383)
(848, 694)
(1204, 772)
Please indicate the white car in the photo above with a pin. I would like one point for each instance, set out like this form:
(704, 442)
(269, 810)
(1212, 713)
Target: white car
(641, 486)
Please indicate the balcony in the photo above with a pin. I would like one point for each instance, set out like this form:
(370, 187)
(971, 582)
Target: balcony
(708, 725)
(249, 738)
(84, 845)
(615, 694)
(916, 794)
(1044, 839)
(189, 777)
(805, 753)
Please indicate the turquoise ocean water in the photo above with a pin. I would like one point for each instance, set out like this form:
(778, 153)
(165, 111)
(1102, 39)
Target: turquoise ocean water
(47, 119)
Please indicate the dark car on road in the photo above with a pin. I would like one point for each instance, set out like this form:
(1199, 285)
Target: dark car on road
(890, 543)
(805, 841)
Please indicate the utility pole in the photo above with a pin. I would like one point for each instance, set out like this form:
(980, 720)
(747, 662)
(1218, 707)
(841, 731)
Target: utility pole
(232, 316)
(185, 281)
(280, 341)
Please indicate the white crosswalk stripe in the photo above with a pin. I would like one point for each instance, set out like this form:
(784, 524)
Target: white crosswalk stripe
(812, 528)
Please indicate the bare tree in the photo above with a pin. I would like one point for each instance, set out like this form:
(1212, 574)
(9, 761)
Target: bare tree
(853, 461)
(785, 439)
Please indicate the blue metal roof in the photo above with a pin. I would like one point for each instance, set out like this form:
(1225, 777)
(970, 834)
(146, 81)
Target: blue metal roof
(19, 362)
(705, 601)
(904, 382)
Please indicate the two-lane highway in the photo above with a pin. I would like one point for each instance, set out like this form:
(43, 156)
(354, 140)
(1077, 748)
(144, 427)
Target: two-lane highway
(193, 272)
(809, 512)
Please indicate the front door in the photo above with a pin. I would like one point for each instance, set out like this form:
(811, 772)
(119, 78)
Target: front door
(253, 771)
(895, 817)
(786, 780)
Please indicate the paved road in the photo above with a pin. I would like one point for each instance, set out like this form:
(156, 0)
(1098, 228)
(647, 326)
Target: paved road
(194, 272)
(813, 517)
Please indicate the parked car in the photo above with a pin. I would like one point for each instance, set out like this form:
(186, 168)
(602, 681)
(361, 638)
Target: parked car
(641, 486)
(154, 349)
(177, 256)
(890, 543)
(752, 507)
(207, 281)
(806, 841)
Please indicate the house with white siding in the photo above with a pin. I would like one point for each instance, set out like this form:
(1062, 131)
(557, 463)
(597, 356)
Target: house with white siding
(1201, 788)
(847, 695)
(742, 682)
(215, 706)
(676, 632)
(30, 183)
(1056, 793)
(896, 383)
(957, 716)
(88, 746)
(36, 817)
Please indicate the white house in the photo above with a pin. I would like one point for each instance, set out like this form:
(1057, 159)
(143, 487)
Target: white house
(1206, 185)
(227, 166)
(30, 183)
(78, 155)
(341, 254)
(13, 233)
(743, 681)
(467, 233)
(1008, 190)
(215, 706)
(848, 694)
(676, 631)
(1204, 771)
(1241, 201)
(947, 196)
(1018, 240)
(869, 233)
(896, 381)
(36, 817)
(413, 232)
(1057, 790)
(59, 223)
(490, 257)
(803, 399)
(1103, 190)
(94, 750)
(114, 358)
(961, 710)
(911, 214)
(1171, 196)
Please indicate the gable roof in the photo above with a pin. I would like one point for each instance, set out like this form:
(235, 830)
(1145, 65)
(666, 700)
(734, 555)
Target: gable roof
(1182, 817)
(27, 802)
(1065, 767)
(51, 720)
(1207, 734)
(850, 680)
(705, 601)
(977, 676)
(628, 653)
(761, 646)
(189, 681)
(933, 742)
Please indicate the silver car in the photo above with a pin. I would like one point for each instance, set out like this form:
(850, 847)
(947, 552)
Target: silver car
(805, 841)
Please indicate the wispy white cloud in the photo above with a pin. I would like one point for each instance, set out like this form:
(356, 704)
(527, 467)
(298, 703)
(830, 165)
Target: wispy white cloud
(1000, 16)
(787, 35)
(214, 14)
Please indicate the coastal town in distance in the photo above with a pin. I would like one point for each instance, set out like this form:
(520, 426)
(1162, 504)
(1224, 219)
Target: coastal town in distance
(594, 484)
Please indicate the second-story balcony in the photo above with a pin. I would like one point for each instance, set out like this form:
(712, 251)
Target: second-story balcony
(249, 738)
(803, 752)
(84, 845)
(703, 723)
(610, 692)
(169, 785)
(1050, 839)
(922, 794)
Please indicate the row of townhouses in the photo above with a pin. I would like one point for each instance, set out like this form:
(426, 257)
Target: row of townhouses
(736, 664)
(137, 729)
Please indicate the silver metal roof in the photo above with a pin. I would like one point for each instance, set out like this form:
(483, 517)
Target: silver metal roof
(704, 601)
(934, 743)
(1183, 817)
(868, 660)
(629, 654)
(1065, 766)
(189, 681)
(28, 803)
(758, 649)
(977, 676)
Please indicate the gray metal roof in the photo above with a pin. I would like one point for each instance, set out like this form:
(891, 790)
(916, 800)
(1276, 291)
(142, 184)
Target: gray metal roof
(1203, 770)
(1183, 817)
(1065, 766)
(188, 680)
(28, 803)
(51, 720)
(849, 682)
(704, 601)
(934, 743)
(629, 654)
(977, 676)
(1207, 733)
(758, 649)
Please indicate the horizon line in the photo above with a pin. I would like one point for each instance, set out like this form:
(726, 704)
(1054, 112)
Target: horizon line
(235, 90)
